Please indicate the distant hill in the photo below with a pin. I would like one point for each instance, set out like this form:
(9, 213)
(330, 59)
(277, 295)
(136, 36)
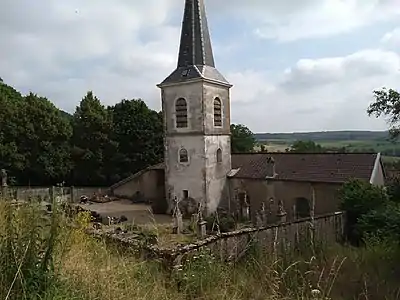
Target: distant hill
(324, 136)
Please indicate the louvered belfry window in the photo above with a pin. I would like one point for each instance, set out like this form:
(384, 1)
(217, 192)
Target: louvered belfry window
(217, 112)
(181, 113)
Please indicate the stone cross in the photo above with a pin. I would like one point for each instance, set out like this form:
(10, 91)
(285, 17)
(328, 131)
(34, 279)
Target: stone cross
(263, 213)
(259, 220)
(281, 214)
(201, 227)
(177, 218)
(246, 208)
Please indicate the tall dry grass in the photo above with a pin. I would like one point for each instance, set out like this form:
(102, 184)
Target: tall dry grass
(46, 259)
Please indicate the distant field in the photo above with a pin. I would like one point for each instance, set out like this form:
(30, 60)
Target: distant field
(360, 141)
(382, 146)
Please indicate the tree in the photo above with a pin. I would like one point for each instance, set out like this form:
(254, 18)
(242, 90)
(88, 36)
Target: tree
(387, 103)
(46, 142)
(138, 131)
(242, 139)
(11, 103)
(306, 147)
(383, 223)
(359, 198)
(33, 138)
(93, 149)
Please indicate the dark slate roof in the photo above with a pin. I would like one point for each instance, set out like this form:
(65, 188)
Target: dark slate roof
(196, 59)
(324, 167)
(195, 47)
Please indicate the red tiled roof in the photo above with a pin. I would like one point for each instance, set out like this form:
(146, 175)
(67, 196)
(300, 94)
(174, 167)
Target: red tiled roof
(324, 167)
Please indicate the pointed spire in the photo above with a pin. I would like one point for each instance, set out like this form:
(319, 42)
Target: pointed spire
(196, 59)
(195, 47)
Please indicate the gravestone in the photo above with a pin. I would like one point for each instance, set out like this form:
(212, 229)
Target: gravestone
(264, 214)
(246, 208)
(201, 227)
(281, 213)
(177, 225)
(259, 221)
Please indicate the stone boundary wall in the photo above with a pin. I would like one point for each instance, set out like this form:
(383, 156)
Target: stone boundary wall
(229, 246)
(24, 193)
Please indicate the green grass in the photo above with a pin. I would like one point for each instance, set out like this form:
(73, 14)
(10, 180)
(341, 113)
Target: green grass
(79, 267)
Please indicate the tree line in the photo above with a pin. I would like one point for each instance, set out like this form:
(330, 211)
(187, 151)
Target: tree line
(97, 145)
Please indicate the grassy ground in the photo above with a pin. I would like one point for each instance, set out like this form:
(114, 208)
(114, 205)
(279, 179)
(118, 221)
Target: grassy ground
(58, 262)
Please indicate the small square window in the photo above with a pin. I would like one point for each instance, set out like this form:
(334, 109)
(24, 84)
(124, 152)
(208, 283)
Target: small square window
(185, 194)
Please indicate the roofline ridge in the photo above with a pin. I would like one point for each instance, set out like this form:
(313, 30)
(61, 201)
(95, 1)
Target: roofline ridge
(304, 153)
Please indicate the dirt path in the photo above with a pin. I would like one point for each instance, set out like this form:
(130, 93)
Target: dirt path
(137, 213)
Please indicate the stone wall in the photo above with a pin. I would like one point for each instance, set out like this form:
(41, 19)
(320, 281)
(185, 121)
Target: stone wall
(232, 245)
(88, 191)
(24, 193)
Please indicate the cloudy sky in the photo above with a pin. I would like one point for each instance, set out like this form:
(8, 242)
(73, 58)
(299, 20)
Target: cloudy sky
(296, 65)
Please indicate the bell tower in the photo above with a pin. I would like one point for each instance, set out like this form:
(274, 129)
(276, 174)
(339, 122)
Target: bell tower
(196, 111)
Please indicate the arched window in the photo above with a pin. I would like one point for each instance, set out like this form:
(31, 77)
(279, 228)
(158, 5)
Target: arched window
(217, 112)
(219, 155)
(183, 156)
(181, 113)
(302, 208)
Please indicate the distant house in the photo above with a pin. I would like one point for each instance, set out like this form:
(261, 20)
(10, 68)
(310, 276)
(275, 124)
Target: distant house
(267, 178)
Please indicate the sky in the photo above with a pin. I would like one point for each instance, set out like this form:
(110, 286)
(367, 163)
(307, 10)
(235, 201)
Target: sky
(295, 65)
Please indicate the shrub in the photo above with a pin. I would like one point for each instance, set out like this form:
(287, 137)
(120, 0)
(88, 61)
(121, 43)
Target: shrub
(28, 240)
(357, 199)
(226, 223)
(382, 222)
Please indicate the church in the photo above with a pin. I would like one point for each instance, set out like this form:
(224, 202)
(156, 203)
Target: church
(198, 164)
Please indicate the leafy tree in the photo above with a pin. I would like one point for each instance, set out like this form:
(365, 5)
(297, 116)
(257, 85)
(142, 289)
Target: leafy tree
(263, 149)
(387, 103)
(359, 198)
(393, 190)
(306, 147)
(138, 130)
(33, 138)
(383, 222)
(11, 103)
(242, 139)
(46, 142)
(93, 148)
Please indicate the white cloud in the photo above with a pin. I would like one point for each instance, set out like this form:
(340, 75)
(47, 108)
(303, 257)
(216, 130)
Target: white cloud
(325, 94)
(321, 18)
(391, 39)
(61, 49)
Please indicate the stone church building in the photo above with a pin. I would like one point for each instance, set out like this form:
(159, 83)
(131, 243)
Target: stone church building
(198, 165)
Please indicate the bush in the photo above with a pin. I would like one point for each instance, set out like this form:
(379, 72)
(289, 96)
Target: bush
(383, 222)
(226, 223)
(359, 198)
(28, 240)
